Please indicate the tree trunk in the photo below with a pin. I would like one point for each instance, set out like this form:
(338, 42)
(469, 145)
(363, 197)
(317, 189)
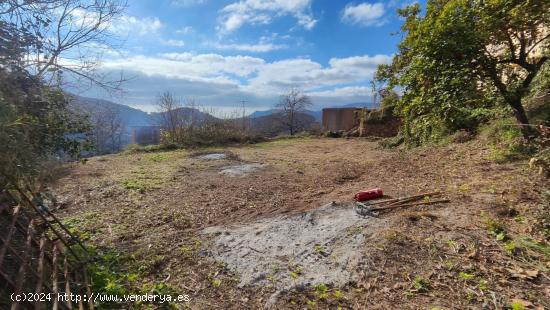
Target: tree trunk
(291, 127)
(521, 117)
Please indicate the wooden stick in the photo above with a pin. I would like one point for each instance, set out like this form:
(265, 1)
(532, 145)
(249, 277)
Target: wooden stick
(413, 198)
(10, 234)
(411, 204)
(88, 288)
(55, 219)
(405, 198)
(40, 272)
(54, 279)
(80, 301)
(58, 234)
(15, 253)
(20, 282)
(67, 282)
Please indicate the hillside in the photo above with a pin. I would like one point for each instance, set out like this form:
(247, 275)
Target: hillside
(271, 125)
(261, 122)
(130, 117)
(317, 114)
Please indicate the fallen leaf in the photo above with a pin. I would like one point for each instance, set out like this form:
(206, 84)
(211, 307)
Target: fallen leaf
(532, 273)
(521, 273)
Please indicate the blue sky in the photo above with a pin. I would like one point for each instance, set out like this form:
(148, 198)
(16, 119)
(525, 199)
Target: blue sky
(221, 52)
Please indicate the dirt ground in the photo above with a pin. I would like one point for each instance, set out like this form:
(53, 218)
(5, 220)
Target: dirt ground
(481, 250)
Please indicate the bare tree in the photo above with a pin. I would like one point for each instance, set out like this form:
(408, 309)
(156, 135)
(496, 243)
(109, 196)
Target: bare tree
(190, 116)
(108, 129)
(69, 37)
(172, 116)
(290, 106)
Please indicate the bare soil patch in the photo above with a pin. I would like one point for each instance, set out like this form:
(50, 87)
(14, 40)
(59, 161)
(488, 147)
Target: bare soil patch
(213, 156)
(299, 250)
(241, 169)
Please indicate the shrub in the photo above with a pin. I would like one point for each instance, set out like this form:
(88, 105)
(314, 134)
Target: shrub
(506, 141)
(209, 133)
(136, 148)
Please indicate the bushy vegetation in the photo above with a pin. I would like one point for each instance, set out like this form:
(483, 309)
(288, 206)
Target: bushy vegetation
(506, 141)
(184, 125)
(136, 148)
(35, 125)
(208, 133)
(461, 65)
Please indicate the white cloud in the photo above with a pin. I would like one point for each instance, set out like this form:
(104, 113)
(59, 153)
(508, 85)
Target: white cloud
(187, 3)
(186, 66)
(255, 48)
(265, 44)
(217, 79)
(121, 25)
(140, 26)
(175, 43)
(280, 75)
(365, 14)
(237, 14)
(185, 30)
(348, 91)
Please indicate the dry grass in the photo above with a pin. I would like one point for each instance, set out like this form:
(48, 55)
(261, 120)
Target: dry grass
(176, 194)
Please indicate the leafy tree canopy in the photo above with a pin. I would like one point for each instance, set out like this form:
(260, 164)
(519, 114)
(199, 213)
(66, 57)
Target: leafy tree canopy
(462, 57)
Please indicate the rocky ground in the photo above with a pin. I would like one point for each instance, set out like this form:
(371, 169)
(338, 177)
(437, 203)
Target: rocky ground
(246, 227)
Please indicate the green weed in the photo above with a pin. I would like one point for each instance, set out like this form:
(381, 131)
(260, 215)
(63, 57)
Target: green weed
(311, 303)
(517, 306)
(483, 285)
(496, 229)
(319, 249)
(338, 294)
(465, 276)
(134, 184)
(157, 157)
(321, 291)
(419, 285)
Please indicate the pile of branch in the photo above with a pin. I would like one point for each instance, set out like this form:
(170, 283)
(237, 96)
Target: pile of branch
(366, 208)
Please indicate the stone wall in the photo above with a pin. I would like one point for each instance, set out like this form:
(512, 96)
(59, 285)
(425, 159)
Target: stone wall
(387, 128)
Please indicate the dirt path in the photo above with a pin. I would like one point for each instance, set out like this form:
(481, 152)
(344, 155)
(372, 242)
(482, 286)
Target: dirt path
(434, 256)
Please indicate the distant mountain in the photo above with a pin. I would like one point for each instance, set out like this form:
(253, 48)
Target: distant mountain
(271, 125)
(368, 105)
(258, 114)
(317, 114)
(130, 117)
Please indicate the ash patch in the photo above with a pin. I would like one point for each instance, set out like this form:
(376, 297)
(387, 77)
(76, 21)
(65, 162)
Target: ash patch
(213, 156)
(240, 170)
(288, 252)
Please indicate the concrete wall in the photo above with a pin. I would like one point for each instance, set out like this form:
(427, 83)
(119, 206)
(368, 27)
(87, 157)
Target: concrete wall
(346, 119)
(336, 119)
(388, 128)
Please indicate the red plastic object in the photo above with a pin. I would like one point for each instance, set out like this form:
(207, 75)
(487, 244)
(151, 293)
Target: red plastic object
(369, 194)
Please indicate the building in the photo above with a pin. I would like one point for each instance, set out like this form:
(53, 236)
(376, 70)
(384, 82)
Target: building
(340, 119)
(360, 122)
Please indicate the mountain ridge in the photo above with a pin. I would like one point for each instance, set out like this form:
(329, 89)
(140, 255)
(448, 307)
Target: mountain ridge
(133, 117)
